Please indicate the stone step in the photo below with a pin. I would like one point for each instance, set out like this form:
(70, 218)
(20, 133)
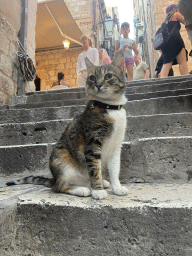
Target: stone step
(165, 80)
(145, 160)
(72, 99)
(163, 105)
(158, 94)
(48, 104)
(153, 219)
(39, 114)
(158, 85)
(138, 127)
(177, 104)
(144, 89)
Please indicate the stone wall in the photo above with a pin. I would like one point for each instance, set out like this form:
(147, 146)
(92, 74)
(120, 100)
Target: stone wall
(82, 12)
(8, 60)
(49, 63)
(10, 18)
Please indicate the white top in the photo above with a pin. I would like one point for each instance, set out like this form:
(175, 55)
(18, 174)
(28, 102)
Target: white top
(92, 54)
(126, 41)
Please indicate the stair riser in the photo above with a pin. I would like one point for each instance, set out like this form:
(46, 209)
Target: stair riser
(39, 115)
(151, 95)
(137, 128)
(167, 105)
(156, 160)
(51, 104)
(101, 230)
(142, 92)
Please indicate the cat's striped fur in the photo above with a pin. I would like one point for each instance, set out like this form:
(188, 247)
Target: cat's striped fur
(91, 143)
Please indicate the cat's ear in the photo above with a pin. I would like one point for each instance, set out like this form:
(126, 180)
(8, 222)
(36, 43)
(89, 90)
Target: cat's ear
(88, 63)
(119, 60)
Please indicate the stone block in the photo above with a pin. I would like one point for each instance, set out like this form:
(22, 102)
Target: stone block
(53, 61)
(62, 60)
(73, 59)
(72, 81)
(17, 159)
(58, 55)
(51, 72)
(38, 57)
(6, 85)
(4, 43)
(45, 57)
(2, 96)
(8, 29)
(68, 65)
(60, 67)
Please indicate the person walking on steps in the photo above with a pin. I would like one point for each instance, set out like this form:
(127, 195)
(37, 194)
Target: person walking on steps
(174, 47)
(92, 54)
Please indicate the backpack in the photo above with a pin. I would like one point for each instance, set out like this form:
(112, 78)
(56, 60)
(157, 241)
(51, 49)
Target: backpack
(162, 35)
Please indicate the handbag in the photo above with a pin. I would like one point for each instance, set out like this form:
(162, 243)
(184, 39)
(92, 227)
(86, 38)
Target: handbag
(162, 35)
(158, 39)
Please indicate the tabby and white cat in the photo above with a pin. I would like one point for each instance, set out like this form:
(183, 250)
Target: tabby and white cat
(91, 143)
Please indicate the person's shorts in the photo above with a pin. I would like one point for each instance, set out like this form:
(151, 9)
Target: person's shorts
(129, 61)
(185, 8)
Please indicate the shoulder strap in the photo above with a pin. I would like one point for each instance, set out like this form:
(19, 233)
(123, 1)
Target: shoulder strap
(168, 17)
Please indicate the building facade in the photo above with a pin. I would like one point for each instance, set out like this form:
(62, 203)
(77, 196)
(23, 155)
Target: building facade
(148, 17)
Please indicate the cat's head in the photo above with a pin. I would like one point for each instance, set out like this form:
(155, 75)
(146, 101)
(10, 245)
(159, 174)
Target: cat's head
(106, 83)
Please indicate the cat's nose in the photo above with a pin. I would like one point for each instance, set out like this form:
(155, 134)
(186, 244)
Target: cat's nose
(99, 86)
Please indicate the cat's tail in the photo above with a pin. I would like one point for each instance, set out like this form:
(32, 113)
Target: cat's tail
(36, 180)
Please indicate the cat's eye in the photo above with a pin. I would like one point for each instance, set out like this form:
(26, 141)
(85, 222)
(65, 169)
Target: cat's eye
(108, 76)
(92, 78)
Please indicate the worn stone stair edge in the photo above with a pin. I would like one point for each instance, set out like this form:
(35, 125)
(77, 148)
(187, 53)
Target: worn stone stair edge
(130, 97)
(137, 127)
(123, 143)
(177, 104)
(167, 93)
(139, 196)
(69, 119)
(166, 80)
(17, 100)
(150, 220)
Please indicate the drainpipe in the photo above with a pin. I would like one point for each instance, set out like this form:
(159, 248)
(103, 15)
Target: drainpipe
(94, 23)
(21, 83)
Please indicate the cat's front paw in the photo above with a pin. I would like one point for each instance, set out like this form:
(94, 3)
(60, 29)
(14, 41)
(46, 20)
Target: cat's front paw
(120, 191)
(99, 194)
(106, 184)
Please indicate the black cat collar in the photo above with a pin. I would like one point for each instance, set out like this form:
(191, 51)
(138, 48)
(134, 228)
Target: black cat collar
(106, 106)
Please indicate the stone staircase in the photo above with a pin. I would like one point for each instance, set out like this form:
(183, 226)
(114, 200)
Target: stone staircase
(156, 166)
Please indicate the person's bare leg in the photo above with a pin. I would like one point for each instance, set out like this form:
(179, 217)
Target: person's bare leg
(181, 59)
(130, 72)
(165, 69)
